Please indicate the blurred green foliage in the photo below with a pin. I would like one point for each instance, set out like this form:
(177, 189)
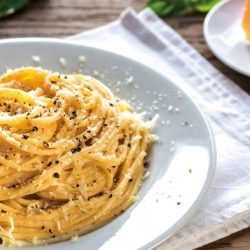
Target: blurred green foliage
(8, 7)
(180, 7)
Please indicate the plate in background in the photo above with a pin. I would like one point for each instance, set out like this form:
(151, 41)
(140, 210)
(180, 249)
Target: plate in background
(225, 37)
(182, 162)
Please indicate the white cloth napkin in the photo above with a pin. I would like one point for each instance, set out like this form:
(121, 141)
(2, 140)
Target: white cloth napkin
(146, 38)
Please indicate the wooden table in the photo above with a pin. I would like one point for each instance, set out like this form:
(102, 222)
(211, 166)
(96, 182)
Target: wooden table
(59, 18)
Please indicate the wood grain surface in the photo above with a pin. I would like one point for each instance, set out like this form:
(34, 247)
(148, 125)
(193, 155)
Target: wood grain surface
(59, 18)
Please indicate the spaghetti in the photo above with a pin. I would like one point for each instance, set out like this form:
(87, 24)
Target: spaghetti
(71, 156)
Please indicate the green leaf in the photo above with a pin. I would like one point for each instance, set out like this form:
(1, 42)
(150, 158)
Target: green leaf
(205, 5)
(180, 7)
(167, 7)
(160, 7)
(8, 7)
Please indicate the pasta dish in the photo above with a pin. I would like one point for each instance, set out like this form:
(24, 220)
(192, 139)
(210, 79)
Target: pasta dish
(72, 156)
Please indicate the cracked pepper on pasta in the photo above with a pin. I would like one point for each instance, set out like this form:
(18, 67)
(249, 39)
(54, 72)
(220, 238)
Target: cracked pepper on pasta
(71, 155)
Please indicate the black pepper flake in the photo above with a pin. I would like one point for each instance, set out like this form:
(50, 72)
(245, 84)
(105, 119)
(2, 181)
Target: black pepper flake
(3, 211)
(42, 227)
(146, 164)
(25, 136)
(50, 231)
(110, 196)
(100, 194)
(74, 150)
(111, 104)
(56, 175)
(53, 82)
(190, 171)
(121, 141)
(77, 185)
(59, 104)
(53, 236)
(88, 142)
(6, 156)
(49, 164)
(73, 115)
(1, 241)
(113, 166)
(130, 180)
(35, 129)
(178, 203)
(105, 125)
(45, 144)
(56, 162)
(129, 145)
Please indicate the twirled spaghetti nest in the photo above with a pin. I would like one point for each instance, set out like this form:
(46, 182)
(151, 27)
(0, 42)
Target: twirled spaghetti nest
(71, 155)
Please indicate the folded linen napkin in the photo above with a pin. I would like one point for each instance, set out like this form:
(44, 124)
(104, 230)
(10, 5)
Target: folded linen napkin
(144, 37)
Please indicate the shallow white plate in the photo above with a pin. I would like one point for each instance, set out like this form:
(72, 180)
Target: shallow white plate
(182, 162)
(225, 37)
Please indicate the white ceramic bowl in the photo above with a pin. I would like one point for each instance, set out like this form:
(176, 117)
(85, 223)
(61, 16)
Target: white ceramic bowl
(182, 162)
